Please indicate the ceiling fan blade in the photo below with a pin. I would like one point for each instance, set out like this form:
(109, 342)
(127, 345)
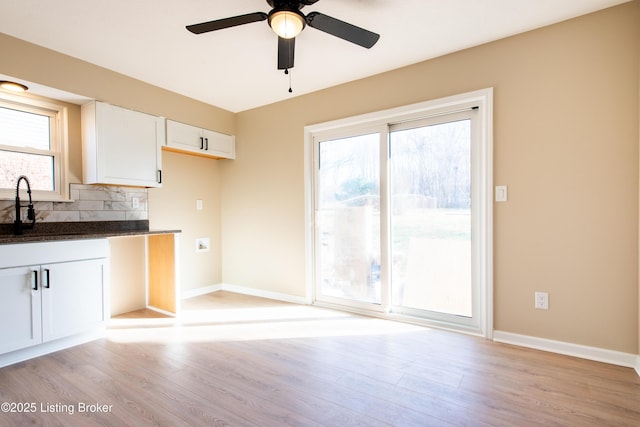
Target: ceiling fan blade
(341, 29)
(220, 24)
(286, 50)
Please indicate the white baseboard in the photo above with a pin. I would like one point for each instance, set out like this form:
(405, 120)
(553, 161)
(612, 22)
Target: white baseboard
(161, 311)
(585, 352)
(264, 294)
(200, 291)
(245, 291)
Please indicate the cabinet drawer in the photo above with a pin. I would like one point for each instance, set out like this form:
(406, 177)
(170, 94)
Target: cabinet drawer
(52, 252)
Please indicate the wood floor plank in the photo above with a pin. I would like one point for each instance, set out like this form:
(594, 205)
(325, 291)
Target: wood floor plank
(234, 360)
(149, 389)
(241, 370)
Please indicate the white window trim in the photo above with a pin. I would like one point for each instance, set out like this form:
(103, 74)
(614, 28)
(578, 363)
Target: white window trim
(482, 98)
(60, 115)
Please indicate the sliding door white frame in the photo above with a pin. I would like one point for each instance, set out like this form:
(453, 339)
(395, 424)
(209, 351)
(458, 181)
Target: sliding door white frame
(482, 100)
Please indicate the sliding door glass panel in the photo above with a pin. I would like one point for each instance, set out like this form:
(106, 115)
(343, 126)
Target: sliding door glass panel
(348, 219)
(430, 217)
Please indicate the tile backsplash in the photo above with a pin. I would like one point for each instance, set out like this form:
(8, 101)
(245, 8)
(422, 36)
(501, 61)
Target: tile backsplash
(89, 203)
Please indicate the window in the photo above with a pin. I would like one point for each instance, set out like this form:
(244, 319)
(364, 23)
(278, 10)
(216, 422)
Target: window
(32, 143)
(399, 212)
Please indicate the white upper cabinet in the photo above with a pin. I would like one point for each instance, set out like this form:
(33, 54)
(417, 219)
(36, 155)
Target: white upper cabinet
(194, 140)
(120, 146)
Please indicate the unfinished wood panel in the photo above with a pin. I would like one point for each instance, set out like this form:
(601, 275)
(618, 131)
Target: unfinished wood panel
(162, 272)
(191, 153)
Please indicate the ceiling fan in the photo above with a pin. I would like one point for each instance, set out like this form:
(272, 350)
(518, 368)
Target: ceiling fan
(287, 21)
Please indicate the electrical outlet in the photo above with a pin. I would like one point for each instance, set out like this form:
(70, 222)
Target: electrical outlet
(542, 300)
(135, 202)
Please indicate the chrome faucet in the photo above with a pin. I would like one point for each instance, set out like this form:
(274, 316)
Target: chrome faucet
(18, 226)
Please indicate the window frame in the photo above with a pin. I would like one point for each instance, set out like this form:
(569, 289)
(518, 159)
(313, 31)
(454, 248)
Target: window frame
(58, 140)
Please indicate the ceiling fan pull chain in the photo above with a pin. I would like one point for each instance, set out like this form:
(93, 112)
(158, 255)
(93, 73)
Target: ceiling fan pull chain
(290, 90)
(286, 71)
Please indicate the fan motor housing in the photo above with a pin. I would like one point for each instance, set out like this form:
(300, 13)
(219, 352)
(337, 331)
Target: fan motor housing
(290, 5)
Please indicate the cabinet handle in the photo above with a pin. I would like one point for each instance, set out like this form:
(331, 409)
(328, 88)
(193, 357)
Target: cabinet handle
(159, 176)
(47, 279)
(34, 276)
(206, 144)
(202, 143)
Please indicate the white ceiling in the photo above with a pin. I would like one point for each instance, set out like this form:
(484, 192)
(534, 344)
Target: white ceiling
(236, 68)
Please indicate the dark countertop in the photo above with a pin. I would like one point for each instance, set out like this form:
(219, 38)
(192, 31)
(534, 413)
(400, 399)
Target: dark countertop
(53, 231)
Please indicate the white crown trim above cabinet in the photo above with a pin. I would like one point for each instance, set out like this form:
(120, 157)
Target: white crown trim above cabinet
(121, 146)
(189, 139)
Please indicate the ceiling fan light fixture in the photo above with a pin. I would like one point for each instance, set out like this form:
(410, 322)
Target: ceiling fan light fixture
(13, 86)
(286, 24)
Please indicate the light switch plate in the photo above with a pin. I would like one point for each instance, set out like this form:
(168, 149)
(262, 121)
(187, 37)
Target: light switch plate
(199, 204)
(501, 193)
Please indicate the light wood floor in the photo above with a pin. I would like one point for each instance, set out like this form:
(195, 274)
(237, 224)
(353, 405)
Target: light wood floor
(243, 361)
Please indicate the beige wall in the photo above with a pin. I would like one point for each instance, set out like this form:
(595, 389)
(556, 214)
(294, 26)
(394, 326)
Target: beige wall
(193, 177)
(46, 67)
(566, 144)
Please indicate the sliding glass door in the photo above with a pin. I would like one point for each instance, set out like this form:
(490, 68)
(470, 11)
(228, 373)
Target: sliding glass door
(430, 216)
(402, 217)
(348, 219)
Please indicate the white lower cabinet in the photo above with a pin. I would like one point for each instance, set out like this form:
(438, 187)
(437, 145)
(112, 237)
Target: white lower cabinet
(44, 302)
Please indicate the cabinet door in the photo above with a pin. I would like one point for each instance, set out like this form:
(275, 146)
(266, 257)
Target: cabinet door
(203, 142)
(20, 315)
(73, 295)
(219, 144)
(184, 137)
(128, 145)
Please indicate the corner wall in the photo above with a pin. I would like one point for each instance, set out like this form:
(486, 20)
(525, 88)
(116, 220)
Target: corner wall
(187, 179)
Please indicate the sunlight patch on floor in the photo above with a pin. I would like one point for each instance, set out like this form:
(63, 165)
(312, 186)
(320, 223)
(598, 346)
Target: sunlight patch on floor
(281, 321)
